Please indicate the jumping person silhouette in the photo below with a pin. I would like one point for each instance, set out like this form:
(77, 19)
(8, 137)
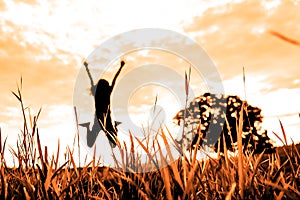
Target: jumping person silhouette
(102, 105)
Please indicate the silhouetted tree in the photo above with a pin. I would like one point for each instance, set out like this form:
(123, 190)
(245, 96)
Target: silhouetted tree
(205, 114)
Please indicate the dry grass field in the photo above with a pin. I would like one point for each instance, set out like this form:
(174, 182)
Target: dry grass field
(38, 175)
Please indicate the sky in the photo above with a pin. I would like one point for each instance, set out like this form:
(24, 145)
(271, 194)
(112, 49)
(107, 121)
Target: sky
(45, 42)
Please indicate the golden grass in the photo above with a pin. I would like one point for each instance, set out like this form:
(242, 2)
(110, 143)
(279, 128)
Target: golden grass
(38, 175)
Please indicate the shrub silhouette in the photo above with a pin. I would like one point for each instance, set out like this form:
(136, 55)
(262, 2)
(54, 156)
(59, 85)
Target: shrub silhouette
(199, 122)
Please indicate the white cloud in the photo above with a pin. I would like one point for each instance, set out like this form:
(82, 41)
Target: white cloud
(271, 4)
(77, 26)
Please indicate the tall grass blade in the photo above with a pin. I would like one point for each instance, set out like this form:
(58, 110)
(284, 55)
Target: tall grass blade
(231, 192)
(283, 132)
(244, 81)
(284, 38)
(240, 152)
(165, 174)
(148, 153)
(278, 137)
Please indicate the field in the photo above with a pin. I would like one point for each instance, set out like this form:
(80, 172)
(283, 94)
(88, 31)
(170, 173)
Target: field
(38, 175)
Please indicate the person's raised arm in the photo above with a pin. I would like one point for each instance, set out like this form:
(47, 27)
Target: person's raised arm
(117, 74)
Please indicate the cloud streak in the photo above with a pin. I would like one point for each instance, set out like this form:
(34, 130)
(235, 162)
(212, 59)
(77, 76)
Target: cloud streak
(241, 37)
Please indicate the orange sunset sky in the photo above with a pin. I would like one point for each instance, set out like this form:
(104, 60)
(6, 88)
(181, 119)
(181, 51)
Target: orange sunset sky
(46, 41)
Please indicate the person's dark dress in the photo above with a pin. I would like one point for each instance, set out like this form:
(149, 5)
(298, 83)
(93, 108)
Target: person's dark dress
(102, 99)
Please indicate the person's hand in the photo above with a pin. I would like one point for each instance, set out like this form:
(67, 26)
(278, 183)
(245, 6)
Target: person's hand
(122, 63)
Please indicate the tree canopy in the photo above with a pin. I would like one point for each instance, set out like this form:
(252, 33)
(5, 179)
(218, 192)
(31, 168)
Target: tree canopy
(210, 112)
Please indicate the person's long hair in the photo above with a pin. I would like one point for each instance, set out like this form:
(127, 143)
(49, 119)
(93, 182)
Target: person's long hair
(102, 96)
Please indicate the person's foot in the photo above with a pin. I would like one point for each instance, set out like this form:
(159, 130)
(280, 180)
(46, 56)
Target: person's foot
(112, 144)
